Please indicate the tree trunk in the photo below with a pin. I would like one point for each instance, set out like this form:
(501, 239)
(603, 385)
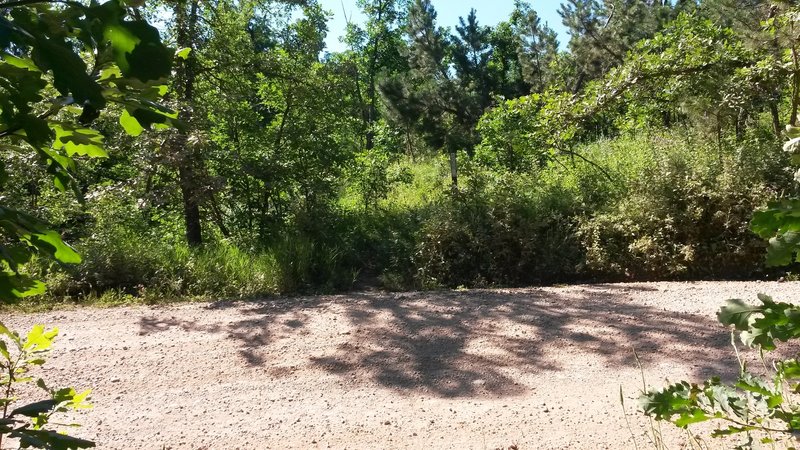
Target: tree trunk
(776, 118)
(186, 158)
(454, 170)
(191, 209)
(741, 124)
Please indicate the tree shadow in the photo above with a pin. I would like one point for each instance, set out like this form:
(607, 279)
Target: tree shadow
(455, 344)
(261, 323)
(153, 324)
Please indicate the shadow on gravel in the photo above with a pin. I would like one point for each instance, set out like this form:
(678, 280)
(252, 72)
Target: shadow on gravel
(459, 345)
(453, 344)
(265, 320)
(153, 324)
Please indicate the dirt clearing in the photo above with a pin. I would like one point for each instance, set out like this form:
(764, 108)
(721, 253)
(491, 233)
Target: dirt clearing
(538, 368)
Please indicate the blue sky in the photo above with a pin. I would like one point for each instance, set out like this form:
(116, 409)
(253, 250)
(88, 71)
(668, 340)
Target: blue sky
(489, 12)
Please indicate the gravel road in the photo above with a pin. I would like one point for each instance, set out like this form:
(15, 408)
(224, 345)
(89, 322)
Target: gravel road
(537, 368)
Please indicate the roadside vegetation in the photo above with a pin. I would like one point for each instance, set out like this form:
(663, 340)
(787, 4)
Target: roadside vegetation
(154, 151)
(421, 157)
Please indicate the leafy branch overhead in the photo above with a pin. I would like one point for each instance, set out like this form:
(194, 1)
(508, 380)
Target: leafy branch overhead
(690, 55)
(61, 65)
(753, 405)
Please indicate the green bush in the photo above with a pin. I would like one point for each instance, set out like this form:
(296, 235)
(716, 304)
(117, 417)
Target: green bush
(650, 206)
(685, 211)
(501, 230)
(131, 254)
(149, 267)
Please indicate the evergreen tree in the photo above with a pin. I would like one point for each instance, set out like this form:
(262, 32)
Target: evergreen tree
(537, 46)
(471, 53)
(601, 32)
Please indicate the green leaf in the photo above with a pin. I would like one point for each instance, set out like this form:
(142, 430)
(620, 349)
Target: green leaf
(4, 350)
(70, 74)
(130, 124)
(78, 141)
(138, 50)
(37, 234)
(51, 243)
(183, 53)
(750, 383)
(737, 313)
(780, 224)
(731, 430)
(783, 248)
(14, 286)
(5, 331)
(694, 416)
(123, 42)
(39, 340)
(22, 63)
(36, 130)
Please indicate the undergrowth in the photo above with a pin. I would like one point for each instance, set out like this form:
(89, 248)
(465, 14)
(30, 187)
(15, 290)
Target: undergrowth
(650, 206)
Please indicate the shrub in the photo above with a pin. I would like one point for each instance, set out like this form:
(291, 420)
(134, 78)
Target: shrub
(498, 231)
(685, 213)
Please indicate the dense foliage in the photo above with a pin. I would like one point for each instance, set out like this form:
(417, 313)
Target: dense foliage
(419, 157)
(761, 406)
(63, 65)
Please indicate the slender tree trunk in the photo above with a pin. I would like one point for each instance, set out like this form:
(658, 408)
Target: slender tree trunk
(372, 110)
(218, 217)
(186, 24)
(776, 118)
(741, 124)
(454, 171)
(191, 208)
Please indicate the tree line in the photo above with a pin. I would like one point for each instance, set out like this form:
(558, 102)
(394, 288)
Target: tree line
(233, 125)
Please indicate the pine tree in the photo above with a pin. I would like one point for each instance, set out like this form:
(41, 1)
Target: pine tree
(537, 46)
(429, 98)
(471, 53)
(602, 32)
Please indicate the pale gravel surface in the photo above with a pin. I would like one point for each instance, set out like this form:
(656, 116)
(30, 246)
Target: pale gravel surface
(540, 368)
